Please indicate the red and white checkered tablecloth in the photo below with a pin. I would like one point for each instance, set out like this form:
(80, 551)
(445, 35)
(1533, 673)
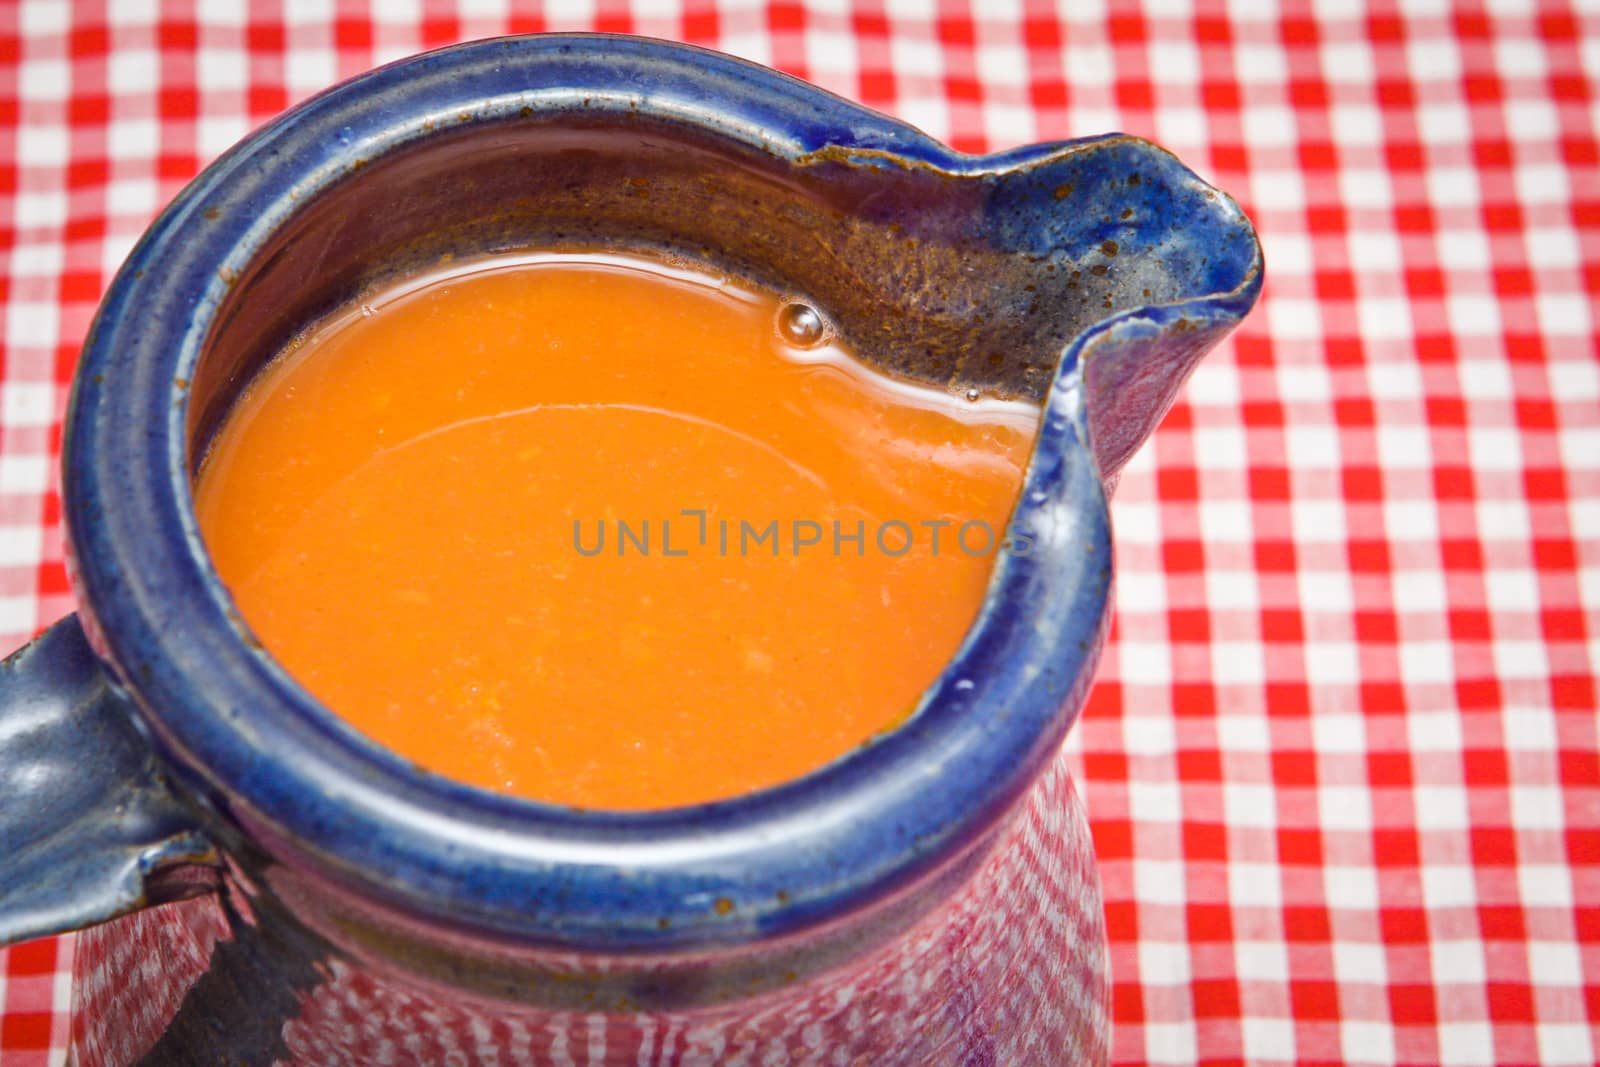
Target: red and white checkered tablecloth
(1343, 761)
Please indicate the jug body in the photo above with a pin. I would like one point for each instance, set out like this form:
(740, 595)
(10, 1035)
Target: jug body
(1009, 967)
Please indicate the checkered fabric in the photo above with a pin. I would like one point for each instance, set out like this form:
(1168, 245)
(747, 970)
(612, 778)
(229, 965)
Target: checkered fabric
(1342, 757)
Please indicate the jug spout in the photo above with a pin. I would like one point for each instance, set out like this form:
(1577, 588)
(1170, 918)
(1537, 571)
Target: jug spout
(1101, 268)
(1160, 267)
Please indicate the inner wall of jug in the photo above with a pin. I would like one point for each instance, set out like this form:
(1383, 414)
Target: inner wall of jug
(890, 254)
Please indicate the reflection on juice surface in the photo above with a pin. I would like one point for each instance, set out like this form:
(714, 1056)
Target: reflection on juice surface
(596, 530)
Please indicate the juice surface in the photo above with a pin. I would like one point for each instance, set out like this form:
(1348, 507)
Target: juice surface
(516, 523)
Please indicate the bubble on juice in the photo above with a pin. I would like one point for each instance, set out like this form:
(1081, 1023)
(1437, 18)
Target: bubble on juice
(801, 324)
(366, 311)
(973, 395)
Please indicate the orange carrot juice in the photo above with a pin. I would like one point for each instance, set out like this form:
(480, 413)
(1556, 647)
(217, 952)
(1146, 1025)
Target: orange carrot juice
(605, 531)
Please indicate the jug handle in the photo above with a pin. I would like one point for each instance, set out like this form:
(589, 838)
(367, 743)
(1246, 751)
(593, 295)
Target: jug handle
(90, 827)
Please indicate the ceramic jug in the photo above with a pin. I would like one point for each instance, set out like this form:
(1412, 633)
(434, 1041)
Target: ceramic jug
(259, 884)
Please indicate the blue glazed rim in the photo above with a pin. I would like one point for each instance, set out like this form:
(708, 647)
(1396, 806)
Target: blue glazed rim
(261, 748)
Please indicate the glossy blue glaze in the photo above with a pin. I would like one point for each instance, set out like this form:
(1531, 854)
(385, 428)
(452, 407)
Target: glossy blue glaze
(289, 776)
